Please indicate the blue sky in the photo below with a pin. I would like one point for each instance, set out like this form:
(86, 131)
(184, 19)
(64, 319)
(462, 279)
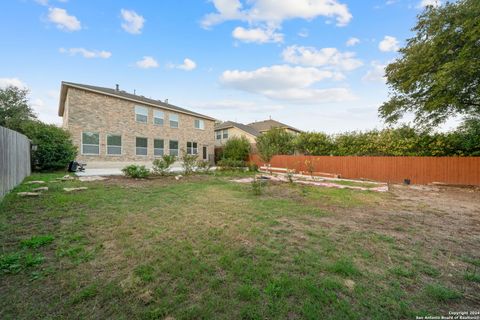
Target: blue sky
(316, 65)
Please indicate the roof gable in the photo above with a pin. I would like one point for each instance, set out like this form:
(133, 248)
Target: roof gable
(266, 125)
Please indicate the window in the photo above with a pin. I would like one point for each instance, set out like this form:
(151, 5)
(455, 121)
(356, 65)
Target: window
(173, 148)
(141, 145)
(90, 143)
(158, 147)
(114, 144)
(173, 120)
(192, 148)
(199, 124)
(205, 154)
(218, 134)
(158, 117)
(225, 134)
(141, 114)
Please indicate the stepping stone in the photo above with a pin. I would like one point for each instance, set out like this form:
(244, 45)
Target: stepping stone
(40, 189)
(74, 189)
(35, 182)
(66, 178)
(92, 178)
(28, 194)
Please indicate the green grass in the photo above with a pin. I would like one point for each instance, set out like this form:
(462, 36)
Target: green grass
(204, 247)
(355, 183)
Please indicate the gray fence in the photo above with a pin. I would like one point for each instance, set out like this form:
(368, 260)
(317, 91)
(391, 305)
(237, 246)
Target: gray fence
(14, 159)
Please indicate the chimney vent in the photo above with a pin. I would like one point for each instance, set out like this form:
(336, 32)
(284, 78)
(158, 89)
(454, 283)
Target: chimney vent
(117, 87)
(166, 101)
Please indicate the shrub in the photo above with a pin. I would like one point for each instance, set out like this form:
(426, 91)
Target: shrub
(257, 186)
(236, 149)
(136, 171)
(275, 141)
(188, 162)
(204, 165)
(54, 145)
(252, 167)
(161, 166)
(441, 293)
(227, 164)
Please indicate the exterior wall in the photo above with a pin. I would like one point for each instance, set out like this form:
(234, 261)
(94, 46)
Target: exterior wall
(91, 112)
(234, 132)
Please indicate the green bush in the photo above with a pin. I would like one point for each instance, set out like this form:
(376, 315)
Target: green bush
(54, 145)
(203, 165)
(227, 164)
(188, 162)
(161, 166)
(275, 141)
(136, 171)
(236, 149)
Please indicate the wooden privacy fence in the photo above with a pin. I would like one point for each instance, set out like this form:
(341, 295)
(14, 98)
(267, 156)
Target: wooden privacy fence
(15, 162)
(420, 170)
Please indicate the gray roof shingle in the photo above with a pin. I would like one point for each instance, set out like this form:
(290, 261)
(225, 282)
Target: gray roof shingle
(229, 124)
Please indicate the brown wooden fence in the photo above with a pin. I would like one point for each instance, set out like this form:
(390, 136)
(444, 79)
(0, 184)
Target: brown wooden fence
(420, 170)
(14, 159)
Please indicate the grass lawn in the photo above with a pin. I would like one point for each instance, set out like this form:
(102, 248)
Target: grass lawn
(204, 247)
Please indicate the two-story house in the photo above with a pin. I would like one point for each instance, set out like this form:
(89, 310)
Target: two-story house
(110, 125)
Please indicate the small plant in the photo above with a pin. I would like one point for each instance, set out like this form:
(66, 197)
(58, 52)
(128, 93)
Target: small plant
(188, 162)
(204, 165)
(37, 241)
(136, 171)
(441, 293)
(290, 175)
(310, 167)
(257, 186)
(252, 167)
(161, 165)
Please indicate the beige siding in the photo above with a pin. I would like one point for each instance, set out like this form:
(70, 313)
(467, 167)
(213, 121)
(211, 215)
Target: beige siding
(91, 112)
(234, 132)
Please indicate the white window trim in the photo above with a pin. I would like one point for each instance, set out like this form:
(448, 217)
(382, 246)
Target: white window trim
(163, 118)
(81, 143)
(106, 145)
(192, 148)
(163, 149)
(200, 121)
(140, 155)
(170, 121)
(135, 111)
(178, 148)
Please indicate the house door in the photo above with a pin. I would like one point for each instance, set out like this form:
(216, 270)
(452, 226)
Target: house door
(204, 153)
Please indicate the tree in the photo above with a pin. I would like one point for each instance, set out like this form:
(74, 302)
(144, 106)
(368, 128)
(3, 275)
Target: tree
(275, 141)
(314, 143)
(14, 108)
(236, 149)
(438, 74)
(54, 145)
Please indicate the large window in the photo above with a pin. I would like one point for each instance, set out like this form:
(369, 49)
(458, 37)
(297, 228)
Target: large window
(218, 134)
(114, 144)
(141, 146)
(158, 147)
(90, 143)
(158, 117)
(225, 134)
(173, 148)
(192, 148)
(199, 124)
(141, 114)
(173, 120)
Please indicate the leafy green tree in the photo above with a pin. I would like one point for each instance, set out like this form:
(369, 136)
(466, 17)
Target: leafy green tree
(438, 74)
(236, 149)
(54, 145)
(275, 141)
(314, 143)
(14, 108)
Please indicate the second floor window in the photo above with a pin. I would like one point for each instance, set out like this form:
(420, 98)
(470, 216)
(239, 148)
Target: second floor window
(173, 120)
(218, 134)
(141, 146)
(199, 124)
(141, 114)
(225, 134)
(158, 117)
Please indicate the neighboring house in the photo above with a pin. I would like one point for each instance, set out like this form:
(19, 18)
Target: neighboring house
(228, 129)
(110, 125)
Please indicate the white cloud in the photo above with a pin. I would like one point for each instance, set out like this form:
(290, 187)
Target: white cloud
(14, 82)
(63, 20)
(303, 33)
(257, 35)
(275, 12)
(389, 44)
(284, 82)
(328, 57)
(188, 65)
(132, 22)
(147, 62)
(42, 2)
(87, 53)
(434, 3)
(352, 42)
(376, 72)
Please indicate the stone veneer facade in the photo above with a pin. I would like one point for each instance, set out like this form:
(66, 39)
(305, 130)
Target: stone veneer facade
(87, 111)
